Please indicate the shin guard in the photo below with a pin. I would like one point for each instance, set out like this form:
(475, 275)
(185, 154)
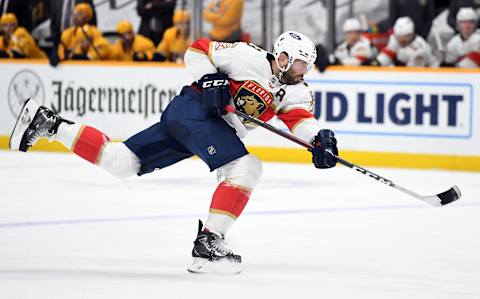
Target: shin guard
(89, 144)
(229, 200)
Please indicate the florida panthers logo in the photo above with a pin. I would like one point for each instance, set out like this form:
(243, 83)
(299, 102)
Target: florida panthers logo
(252, 99)
(250, 106)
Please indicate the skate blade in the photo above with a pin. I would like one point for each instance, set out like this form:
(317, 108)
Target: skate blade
(222, 267)
(24, 119)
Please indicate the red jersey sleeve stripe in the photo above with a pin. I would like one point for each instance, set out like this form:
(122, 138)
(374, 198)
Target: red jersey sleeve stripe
(389, 53)
(361, 58)
(201, 45)
(475, 57)
(294, 117)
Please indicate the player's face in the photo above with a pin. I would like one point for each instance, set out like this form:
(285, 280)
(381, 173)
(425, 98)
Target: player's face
(352, 37)
(404, 40)
(9, 28)
(184, 27)
(78, 19)
(127, 37)
(296, 72)
(466, 27)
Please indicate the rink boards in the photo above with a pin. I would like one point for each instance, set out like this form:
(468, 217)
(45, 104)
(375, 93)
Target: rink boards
(402, 117)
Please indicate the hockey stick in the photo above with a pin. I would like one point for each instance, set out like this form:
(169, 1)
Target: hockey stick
(440, 199)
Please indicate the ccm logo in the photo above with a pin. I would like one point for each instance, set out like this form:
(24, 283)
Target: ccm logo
(211, 83)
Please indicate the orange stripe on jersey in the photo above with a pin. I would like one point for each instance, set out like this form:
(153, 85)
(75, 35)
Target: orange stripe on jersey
(475, 57)
(389, 53)
(201, 45)
(294, 116)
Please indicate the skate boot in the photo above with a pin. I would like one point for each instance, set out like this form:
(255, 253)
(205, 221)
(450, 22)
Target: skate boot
(33, 123)
(210, 255)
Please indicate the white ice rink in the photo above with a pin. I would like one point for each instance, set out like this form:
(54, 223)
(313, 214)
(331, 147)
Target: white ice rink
(68, 230)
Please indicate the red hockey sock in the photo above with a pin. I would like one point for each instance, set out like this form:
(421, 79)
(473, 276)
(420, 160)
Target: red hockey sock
(89, 144)
(229, 200)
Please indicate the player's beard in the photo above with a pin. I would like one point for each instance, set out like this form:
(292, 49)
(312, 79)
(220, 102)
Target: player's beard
(288, 78)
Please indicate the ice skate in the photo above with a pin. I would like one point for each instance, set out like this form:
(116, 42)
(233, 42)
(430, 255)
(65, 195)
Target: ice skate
(210, 255)
(33, 122)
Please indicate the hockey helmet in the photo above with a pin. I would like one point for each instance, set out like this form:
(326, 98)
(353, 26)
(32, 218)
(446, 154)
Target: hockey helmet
(297, 46)
(85, 9)
(403, 26)
(466, 14)
(352, 25)
(124, 27)
(8, 18)
(181, 16)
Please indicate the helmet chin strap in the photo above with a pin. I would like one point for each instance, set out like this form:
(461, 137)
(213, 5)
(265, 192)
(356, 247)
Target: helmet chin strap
(282, 71)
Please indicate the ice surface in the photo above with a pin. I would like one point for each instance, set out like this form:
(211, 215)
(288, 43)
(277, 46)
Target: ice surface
(69, 230)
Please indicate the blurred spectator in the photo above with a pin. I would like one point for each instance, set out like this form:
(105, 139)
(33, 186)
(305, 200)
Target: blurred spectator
(61, 12)
(226, 17)
(176, 39)
(455, 6)
(83, 41)
(406, 48)
(463, 50)
(422, 13)
(16, 42)
(29, 13)
(156, 17)
(356, 49)
(131, 46)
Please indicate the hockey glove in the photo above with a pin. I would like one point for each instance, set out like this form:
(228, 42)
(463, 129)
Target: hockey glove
(80, 57)
(139, 56)
(4, 54)
(322, 143)
(215, 93)
(158, 57)
(17, 54)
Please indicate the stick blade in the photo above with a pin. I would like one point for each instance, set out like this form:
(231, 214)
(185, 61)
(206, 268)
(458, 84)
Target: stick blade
(444, 198)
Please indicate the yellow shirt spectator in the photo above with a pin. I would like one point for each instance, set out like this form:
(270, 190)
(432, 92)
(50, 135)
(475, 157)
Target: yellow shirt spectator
(131, 46)
(176, 40)
(226, 17)
(16, 42)
(83, 41)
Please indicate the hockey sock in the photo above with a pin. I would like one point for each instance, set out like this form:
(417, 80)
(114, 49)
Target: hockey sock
(227, 204)
(87, 142)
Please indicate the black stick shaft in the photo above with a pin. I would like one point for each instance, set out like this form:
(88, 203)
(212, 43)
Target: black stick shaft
(310, 147)
(440, 199)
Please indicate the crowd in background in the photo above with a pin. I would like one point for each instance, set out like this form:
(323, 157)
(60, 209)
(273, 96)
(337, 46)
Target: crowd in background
(164, 33)
(407, 34)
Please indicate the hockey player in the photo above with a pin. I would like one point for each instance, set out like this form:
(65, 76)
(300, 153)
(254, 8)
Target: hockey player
(356, 49)
(463, 50)
(258, 83)
(131, 46)
(176, 39)
(404, 48)
(16, 42)
(83, 41)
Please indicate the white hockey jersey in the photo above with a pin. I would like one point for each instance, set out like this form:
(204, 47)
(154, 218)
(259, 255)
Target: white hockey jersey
(255, 90)
(417, 53)
(355, 55)
(464, 53)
